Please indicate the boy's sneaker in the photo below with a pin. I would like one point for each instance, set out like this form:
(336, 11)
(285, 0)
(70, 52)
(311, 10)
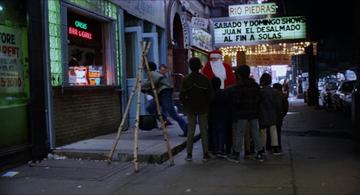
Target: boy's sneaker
(206, 157)
(188, 157)
(234, 158)
(221, 155)
(262, 151)
(259, 157)
(276, 151)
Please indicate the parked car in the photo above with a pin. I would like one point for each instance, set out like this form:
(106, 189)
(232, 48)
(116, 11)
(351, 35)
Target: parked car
(327, 92)
(342, 97)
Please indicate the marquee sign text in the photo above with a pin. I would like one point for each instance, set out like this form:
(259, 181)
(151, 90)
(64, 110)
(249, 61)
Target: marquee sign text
(252, 9)
(247, 32)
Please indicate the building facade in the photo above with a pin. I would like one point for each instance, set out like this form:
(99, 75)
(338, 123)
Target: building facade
(85, 70)
(188, 31)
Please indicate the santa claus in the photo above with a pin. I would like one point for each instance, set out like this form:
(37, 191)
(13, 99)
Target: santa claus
(215, 67)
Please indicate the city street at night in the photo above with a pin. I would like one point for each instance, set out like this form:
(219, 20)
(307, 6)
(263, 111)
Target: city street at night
(179, 97)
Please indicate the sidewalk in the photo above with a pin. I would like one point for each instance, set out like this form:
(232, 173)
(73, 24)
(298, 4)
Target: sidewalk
(306, 120)
(152, 147)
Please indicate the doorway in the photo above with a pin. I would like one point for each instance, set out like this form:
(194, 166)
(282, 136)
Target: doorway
(133, 42)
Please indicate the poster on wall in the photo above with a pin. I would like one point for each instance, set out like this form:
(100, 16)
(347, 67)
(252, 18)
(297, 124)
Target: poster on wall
(11, 68)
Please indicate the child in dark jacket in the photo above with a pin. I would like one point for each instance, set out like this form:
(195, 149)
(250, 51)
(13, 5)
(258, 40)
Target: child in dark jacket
(269, 107)
(282, 112)
(196, 94)
(219, 121)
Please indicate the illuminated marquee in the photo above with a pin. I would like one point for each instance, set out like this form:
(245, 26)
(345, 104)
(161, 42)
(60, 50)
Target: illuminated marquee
(253, 31)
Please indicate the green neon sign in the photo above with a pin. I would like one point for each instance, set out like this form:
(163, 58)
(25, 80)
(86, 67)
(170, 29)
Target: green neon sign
(81, 25)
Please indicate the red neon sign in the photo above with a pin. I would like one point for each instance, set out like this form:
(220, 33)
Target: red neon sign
(80, 33)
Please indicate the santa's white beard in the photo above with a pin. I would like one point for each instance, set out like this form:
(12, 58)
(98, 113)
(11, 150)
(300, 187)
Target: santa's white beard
(219, 71)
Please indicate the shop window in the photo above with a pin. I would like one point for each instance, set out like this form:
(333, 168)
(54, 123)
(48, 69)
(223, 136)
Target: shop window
(89, 58)
(14, 74)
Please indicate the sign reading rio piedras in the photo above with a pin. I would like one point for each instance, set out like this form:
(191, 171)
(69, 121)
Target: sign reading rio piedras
(252, 9)
(232, 31)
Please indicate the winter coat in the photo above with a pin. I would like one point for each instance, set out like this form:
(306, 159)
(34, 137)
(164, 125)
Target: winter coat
(219, 108)
(244, 99)
(196, 93)
(269, 106)
(161, 82)
(284, 106)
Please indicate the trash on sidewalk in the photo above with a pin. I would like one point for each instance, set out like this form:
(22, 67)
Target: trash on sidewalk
(10, 174)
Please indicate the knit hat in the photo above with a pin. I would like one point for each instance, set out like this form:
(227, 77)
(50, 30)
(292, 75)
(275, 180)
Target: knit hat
(215, 54)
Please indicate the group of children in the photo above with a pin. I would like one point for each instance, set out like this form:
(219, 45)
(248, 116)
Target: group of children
(244, 112)
(229, 114)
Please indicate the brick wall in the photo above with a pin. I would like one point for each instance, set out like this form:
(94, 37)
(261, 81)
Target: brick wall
(85, 112)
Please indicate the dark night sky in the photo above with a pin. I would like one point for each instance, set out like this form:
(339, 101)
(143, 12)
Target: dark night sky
(327, 19)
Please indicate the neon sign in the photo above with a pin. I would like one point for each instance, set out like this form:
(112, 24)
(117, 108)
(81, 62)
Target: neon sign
(80, 33)
(80, 24)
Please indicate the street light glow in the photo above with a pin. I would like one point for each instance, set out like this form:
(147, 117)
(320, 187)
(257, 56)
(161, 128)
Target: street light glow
(1, 8)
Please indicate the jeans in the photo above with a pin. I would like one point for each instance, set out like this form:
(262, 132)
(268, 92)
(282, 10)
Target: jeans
(203, 124)
(239, 131)
(167, 105)
(151, 109)
(218, 137)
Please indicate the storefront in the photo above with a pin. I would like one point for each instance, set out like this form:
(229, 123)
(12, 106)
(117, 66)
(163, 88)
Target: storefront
(85, 69)
(14, 76)
(22, 99)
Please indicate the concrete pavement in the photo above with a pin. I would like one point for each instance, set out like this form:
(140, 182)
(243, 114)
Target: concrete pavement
(152, 147)
(320, 157)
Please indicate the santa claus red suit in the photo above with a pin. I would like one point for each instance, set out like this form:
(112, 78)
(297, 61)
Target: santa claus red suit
(215, 67)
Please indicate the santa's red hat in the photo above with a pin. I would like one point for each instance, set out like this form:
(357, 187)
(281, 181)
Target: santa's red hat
(215, 54)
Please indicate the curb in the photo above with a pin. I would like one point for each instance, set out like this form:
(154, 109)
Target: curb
(123, 157)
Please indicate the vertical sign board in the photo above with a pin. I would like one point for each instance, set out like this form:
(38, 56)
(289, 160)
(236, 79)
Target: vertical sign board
(199, 22)
(201, 39)
(233, 31)
(11, 70)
